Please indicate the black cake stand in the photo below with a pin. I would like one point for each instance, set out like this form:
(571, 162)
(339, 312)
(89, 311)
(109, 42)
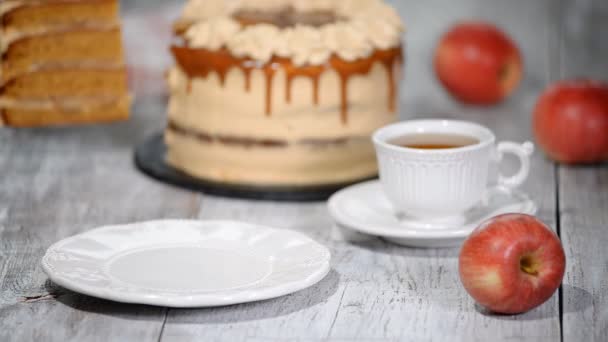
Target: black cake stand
(150, 159)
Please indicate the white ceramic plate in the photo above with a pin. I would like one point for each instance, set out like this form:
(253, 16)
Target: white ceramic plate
(182, 263)
(364, 208)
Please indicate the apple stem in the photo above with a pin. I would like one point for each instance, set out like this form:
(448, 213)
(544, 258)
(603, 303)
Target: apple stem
(528, 265)
(503, 72)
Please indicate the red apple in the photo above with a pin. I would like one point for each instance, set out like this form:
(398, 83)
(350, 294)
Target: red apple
(478, 63)
(571, 121)
(512, 263)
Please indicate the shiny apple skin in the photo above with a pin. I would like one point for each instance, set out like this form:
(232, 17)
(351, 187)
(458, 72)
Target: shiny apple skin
(571, 121)
(490, 263)
(478, 63)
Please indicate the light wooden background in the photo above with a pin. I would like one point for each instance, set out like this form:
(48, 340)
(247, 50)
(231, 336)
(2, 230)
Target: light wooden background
(59, 182)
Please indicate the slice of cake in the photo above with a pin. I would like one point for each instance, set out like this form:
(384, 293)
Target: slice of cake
(62, 62)
(282, 92)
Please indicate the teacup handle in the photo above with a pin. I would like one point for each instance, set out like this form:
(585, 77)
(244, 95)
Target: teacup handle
(523, 152)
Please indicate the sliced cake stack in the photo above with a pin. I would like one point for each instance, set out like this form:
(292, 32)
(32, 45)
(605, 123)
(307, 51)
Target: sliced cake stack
(62, 62)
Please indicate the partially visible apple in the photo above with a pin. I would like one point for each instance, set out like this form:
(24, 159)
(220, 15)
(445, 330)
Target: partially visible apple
(571, 121)
(512, 263)
(478, 63)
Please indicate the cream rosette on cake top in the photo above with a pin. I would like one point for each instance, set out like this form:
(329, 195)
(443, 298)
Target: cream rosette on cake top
(282, 92)
(359, 27)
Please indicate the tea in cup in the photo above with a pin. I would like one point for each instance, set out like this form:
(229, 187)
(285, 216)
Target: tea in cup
(436, 170)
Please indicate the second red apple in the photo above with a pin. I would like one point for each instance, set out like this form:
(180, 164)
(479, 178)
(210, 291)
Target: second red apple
(571, 121)
(478, 63)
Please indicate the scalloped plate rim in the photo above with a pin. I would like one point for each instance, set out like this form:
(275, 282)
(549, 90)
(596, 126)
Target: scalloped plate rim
(209, 299)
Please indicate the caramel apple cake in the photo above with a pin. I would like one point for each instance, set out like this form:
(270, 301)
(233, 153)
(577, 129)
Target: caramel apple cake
(282, 92)
(62, 62)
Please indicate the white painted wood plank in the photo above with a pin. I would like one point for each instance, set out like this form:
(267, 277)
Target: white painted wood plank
(584, 220)
(307, 314)
(583, 190)
(59, 182)
(376, 291)
(385, 292)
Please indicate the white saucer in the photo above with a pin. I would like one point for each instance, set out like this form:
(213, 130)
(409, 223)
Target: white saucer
(182, 263)
(364, 208)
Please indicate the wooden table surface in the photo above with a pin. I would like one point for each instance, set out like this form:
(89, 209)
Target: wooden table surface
(59, 182)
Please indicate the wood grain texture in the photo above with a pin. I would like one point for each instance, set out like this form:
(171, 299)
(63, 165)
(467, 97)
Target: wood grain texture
(59, 182)
(583, 190)
(382, 292)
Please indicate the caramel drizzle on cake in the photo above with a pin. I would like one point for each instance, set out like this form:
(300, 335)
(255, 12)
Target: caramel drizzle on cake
(311, 71)
(200, 62)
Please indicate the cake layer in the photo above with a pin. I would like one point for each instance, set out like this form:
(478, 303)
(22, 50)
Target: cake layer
(289, 103)
(30, 14)
(87, 46)
(67, 82)
(282, 92)
(62, 62)
(281, 165)
(66, 111)
(248, 141)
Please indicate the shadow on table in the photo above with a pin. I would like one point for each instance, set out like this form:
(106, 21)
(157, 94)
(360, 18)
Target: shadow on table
(276, 307)
(378, 245)
(90, 304)
(580, 299)
(300, 300)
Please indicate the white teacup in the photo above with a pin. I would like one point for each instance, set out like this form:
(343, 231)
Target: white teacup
(440, 185)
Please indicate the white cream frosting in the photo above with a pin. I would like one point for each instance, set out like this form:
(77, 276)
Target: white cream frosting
(346, 40)
(263, 5)
(305, 45)
(212, 34)
(367, 25)
(204, 9)
(231, 111)
(312, 5)
(290, 165)
(350, 8)
(257, 42)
